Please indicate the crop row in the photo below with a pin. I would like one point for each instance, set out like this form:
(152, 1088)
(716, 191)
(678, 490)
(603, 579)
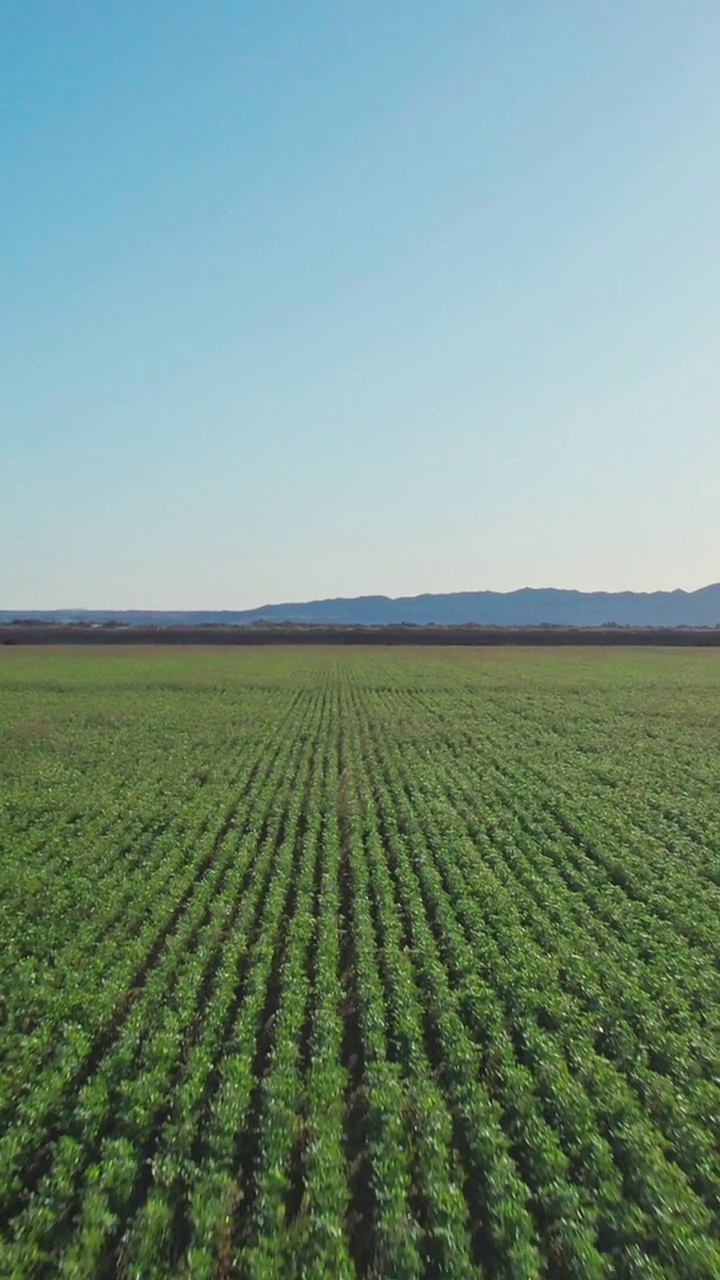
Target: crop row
(362, 965)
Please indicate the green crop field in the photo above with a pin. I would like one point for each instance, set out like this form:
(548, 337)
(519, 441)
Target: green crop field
(360, 963)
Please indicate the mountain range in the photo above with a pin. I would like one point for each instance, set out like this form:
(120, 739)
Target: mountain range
(530, 606)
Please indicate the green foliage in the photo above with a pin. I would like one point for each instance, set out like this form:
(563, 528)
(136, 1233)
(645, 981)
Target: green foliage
(365, 963)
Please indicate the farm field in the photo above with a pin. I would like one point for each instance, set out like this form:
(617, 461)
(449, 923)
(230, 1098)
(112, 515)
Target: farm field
(359, 963)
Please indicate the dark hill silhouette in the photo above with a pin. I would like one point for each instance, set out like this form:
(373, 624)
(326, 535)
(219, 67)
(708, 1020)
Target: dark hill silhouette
(528, 607)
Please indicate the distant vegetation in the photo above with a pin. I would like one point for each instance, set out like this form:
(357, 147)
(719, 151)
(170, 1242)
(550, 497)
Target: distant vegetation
(258, 633)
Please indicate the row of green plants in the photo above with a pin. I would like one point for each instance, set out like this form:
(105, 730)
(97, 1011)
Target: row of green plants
(516, 967)
(360, 964)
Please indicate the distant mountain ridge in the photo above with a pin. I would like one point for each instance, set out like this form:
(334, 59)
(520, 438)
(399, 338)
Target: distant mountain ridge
(530, 606)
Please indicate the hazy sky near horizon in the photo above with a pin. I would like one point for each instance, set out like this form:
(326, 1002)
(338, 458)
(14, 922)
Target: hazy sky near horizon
(331, 298)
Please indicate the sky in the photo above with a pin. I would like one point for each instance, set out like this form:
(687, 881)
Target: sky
(312, 298)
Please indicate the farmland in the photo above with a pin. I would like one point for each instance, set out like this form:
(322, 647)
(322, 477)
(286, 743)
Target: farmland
(351, 963)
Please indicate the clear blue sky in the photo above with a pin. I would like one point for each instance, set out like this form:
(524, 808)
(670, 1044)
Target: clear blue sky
(326, 298)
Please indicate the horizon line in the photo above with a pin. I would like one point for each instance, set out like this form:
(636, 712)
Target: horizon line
(364, 596)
